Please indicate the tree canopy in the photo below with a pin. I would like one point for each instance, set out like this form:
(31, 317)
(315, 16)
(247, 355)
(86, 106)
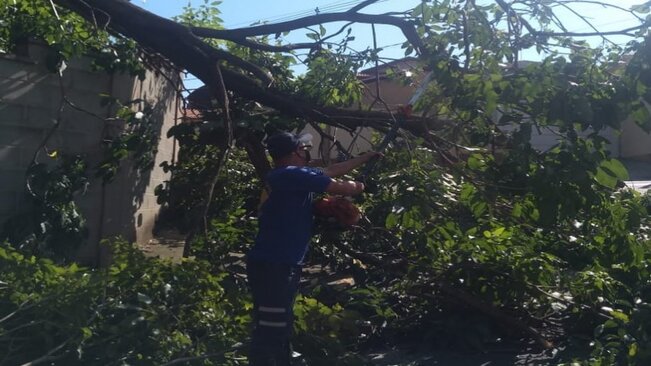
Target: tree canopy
(471, 239)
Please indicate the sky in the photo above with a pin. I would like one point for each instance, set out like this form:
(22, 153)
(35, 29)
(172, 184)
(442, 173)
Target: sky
(240, 13)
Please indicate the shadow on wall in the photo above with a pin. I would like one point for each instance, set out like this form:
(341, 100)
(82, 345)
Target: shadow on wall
(30, 99)
(130, 208)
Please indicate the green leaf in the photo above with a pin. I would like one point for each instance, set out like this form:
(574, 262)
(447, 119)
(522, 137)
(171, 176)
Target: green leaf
(632, 350)
(391, 221)
(615, 168)
(605, 179)
(479, 208)
(491, 97)
(642, 116)
(409, 50)
(619, 315)
(610, 324)
(499, 231)
(86, 333)
(476, 162)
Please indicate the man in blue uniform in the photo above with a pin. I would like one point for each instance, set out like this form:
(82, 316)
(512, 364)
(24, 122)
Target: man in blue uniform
(285, 229)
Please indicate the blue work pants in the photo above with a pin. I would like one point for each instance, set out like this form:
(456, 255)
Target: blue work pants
(274, 287)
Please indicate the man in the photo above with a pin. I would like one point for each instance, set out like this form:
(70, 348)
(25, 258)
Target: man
(285, 228)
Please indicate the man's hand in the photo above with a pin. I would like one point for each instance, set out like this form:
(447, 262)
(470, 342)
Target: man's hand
(339, 169)
(372, 154)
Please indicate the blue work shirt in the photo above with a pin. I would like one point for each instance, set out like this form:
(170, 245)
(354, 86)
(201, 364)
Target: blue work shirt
(285, 222)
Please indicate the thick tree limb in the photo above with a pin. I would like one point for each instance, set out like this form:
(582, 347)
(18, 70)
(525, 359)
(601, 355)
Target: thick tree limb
(290, 105)
(261, 74)
(271, 48)
(406, 27)
(287, 47)
(512, 13)
(256, 153)
(173, 40)
(184, 49)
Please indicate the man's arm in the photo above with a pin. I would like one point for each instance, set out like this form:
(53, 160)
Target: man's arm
(345, 188)
(339, 169)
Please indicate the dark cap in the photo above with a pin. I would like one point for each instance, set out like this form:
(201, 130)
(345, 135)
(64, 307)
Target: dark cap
(284, 143)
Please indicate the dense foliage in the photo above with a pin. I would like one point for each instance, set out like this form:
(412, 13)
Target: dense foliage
(68, 36)
(136, 311)
(472, 240)
(581, 282)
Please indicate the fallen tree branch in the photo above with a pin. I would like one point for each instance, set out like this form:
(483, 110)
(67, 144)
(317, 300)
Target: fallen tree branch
(324, 136)
(161, 34)
(185, 360)
(287, 47)
(461, 296)
(408, 30)
(396, 266)
(491, 311)
(184, 49)
(274, 48)
(49, 355)
(21, 307)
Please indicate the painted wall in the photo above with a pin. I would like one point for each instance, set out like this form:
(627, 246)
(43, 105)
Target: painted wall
(635, 142)
(393, 94)
(30, 97)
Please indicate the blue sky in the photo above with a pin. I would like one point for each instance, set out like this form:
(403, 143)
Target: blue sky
(240, 13)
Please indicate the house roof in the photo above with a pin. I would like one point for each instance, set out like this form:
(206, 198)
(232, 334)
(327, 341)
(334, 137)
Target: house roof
(191, 115)
(401, 65)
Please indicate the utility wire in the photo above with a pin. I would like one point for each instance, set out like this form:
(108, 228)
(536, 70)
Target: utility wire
(303, 13)
(330, 8)
(320, 10)
(621, 21)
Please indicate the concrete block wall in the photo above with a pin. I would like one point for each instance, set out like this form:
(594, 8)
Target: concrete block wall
(30, 97)
(636, 143)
